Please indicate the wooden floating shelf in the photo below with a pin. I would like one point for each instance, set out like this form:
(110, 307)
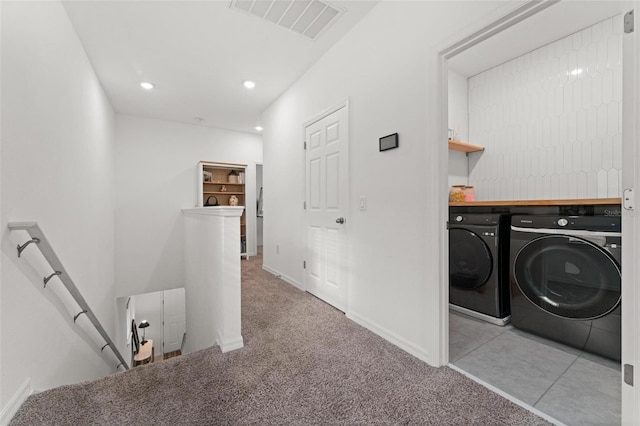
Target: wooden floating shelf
(464, 147)
(568, 202)
(223, 193)
(222, 183)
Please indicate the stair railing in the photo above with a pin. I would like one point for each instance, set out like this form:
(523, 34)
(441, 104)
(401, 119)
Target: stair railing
(38, 239)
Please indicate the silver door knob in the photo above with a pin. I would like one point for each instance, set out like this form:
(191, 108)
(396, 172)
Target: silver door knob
(340, 220)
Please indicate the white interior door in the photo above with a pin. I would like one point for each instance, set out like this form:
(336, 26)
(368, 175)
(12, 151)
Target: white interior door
(630, 225)
(326, 165)
(175, 319)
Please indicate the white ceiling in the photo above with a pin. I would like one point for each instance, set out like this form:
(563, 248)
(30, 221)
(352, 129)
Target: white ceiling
(197, 54)
(551, 24)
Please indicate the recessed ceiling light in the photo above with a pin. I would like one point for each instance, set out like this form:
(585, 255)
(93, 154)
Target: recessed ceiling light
(249, 84)
(146, 85)
(259, 128)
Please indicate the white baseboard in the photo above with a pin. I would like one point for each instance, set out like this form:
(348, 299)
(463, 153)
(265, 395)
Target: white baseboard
(283, 277)
(391, 337)
(15, 402)
(507, 396)
(229, 345)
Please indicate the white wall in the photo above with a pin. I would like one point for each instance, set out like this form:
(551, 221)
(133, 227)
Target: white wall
(260, 220)
(383, 66)
(57, 169)
(550, 134)
(156, 177)
(458, 109)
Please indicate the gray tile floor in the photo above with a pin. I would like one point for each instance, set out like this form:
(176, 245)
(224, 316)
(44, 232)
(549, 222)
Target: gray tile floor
(569, 385)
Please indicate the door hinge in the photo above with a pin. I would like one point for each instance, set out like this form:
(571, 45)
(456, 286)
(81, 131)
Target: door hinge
(305, 144)
(628, 374)
(628, 22)
(304, 264)
(304, 205)
(627, 199)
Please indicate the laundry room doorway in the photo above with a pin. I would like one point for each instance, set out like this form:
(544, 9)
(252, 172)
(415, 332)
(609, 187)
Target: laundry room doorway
(496, 28)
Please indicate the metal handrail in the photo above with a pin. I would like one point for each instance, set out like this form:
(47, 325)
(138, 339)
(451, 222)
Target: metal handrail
(37, 237)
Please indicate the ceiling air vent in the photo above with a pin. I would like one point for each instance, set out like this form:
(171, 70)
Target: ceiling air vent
(308, 18)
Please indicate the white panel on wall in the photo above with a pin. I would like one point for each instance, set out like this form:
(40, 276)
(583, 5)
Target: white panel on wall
(550, 120)
(459, 120)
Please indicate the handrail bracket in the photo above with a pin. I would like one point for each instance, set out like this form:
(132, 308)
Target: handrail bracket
(24, 246)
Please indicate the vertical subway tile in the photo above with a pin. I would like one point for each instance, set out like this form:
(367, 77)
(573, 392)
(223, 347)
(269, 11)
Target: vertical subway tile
(539, 182)
(546, 187)
(603, 185)
(554, 130)
(613, 189)
(572, 126)
(592, 59)
(596, 90)
(543, 163)
(572, 63)
(546, 132)
(614, 51)
(526, 163)
(586, 156)
(582, 125)
(607, 153)
(602, 56)
(571, 188)
(568, 157)
(562, 129)
(592, 123)
(592, 184)
(607, 87)
(577, 153)
(613, 119)
(531, 187)
(556, 187)
(558, 154)
(559, 101)
(603, 118)
(617, 151)
(568, 97)
(582, 60)
(582, 185)
(596, 154)
(577, 96)
(586, 91)
(535, 171)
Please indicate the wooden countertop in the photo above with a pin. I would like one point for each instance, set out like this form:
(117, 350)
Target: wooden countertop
(570, 202)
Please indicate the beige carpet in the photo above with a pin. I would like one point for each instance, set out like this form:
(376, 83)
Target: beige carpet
(303, 363)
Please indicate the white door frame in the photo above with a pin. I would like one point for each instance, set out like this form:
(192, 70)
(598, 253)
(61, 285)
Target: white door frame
(491, 26)
(342, 104)
(630, 221)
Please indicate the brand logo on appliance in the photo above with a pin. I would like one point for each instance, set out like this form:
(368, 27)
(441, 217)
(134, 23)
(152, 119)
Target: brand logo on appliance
(525, 221)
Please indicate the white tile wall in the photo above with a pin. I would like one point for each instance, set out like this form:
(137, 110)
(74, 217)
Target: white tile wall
(550, 120)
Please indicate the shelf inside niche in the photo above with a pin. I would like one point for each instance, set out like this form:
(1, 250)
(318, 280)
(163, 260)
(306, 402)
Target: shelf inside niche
(464, 147)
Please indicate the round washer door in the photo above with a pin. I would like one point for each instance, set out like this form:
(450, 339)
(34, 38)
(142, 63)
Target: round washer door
(567, 276)
(470, 260)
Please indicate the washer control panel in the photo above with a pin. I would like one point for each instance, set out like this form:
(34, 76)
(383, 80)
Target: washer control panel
(562, 222)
